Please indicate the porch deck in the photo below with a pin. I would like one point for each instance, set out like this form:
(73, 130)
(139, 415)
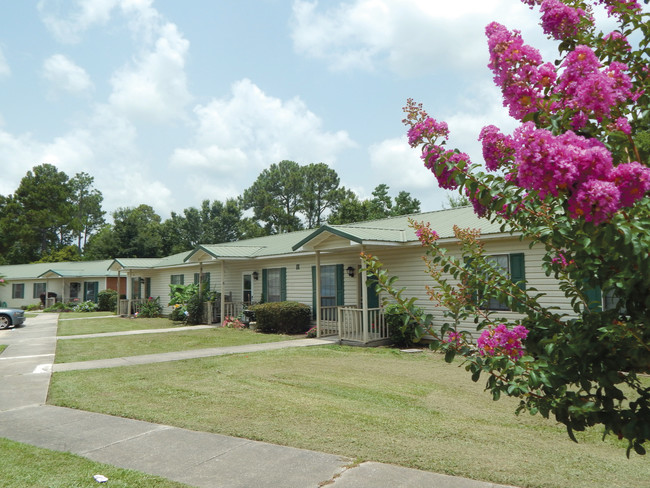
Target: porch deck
(347, 323)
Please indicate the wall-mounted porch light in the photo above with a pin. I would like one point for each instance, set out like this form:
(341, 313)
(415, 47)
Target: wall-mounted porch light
(256, 275)
(350, 271)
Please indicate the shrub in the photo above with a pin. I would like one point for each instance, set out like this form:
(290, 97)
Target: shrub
(282, 317)
(404, 330)
(59, 307)
(313, 332)
(33, 306)
(85, 307)
(194, 308)
(107, 300)
(151, 308)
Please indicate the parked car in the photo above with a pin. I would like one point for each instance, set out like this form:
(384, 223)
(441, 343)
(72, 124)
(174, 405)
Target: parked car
(11, 317)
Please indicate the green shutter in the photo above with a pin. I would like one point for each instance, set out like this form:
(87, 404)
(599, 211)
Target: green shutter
(340, 293)
(147, 287)
(283, 284)
(594, 299)
(196, 278)
(518, 269)
(265, 286)
(206, 280)
(313, 292)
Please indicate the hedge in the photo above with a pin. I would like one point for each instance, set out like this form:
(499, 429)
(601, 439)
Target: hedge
(282, 317)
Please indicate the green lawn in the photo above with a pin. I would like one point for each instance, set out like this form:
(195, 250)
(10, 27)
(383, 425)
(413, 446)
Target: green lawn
(93, 325)
(26, 466)
(70, 350)
(371, 404)
(2, 347)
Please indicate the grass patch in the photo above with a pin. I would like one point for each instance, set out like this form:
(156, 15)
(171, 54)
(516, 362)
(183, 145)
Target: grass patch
(76, 326)
(72, 350)
(84, 315)
(2, 347)
(25, 466)
(370, 404)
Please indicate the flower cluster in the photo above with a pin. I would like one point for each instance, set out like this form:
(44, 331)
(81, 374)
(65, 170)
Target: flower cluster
(498, 148)
(501, 341)
(518, 70)
(616, 7)
(425, 234)
(427, 129)
(454, 338)
(588, 90)
(579, 167)
(233, 323)
(560, 20)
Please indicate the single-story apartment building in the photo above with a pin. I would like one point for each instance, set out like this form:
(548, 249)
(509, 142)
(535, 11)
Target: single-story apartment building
(318, 267)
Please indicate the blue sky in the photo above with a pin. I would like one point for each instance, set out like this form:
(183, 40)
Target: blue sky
(169, 103)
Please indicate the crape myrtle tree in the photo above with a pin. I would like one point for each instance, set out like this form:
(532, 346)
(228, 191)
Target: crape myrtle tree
(573, 179)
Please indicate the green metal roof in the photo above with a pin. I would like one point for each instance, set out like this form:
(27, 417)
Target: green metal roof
(393, 230)
(398, 230)
(66, 269)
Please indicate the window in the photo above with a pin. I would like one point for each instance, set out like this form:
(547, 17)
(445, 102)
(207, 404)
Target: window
(205, 278)
(178, 279)
(18, 290)
(328, 286)
(90, 291)
(74, 290)
(274, 285)
(39, 289)
(513, 267)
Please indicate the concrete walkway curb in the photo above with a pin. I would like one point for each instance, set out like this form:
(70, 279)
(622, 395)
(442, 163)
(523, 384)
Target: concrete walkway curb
(196, 458)
(190, 354)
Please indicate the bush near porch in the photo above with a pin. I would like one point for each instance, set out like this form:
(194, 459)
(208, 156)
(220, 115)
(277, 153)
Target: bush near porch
(282, 317)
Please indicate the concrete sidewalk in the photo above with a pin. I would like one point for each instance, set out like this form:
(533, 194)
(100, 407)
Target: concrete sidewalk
(196, 458)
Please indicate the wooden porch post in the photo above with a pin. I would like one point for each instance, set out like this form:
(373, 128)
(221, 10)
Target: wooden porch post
(129, 292)
(364, 295)
(117, 312)
(223, 292)
(318, 299)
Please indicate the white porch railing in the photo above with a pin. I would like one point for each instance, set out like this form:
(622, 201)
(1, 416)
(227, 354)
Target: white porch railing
(129, 307)
(351, 326)
(347, 323)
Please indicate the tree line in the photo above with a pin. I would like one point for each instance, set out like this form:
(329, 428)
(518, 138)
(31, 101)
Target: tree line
(53, 217)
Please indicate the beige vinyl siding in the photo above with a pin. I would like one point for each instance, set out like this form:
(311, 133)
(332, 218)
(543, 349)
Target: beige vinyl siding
(406, 263)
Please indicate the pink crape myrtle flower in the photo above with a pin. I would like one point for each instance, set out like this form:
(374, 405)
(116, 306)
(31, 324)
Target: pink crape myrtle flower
(589, 90)
(498, 148)
(553, 164)
(616, 7)
(596, 201)
(633, 182)
(501, 341)
(427, 129)
(559, 20)
(454, 338)
(518, 70)
(425, 234)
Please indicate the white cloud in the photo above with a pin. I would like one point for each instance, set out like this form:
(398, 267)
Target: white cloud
(5, 70)
(85, 13)
(251, 130)
(154, 88)
(66, 75)
(406, 36)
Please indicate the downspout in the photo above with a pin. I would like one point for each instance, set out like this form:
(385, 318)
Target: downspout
(318, 299)
(364, 295)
